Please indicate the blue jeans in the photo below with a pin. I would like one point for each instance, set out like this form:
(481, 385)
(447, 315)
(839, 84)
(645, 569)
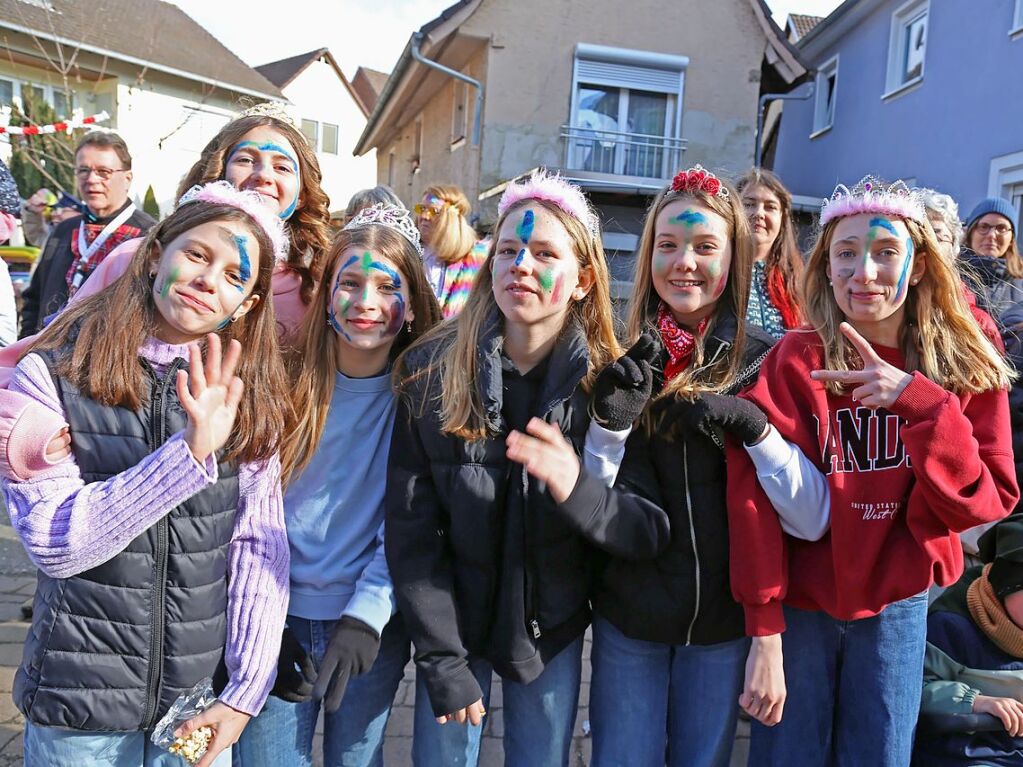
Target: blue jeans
(538, 718)
(853, 689)
(51, 746)
(653, 703)
(353, 736)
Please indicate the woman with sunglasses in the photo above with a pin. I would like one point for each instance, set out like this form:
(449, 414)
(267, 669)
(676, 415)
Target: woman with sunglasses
(994, 267)
(452, 255)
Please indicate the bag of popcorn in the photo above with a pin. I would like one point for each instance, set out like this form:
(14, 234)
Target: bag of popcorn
(188, 704)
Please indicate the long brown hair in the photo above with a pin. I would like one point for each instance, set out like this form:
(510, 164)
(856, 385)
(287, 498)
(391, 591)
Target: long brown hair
(784, 264)
(108, 328)
(451, 237)
(454, 355)
(939, 336)
(309, 225)
(313, 365)
(723, 373)
(1012, 258)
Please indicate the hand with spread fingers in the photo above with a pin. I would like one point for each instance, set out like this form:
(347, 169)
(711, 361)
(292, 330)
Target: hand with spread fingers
(210, 394)
(739, 417)
(623, 388)
(878, 384)
(296, 671)
(351, 651)
(547, 455)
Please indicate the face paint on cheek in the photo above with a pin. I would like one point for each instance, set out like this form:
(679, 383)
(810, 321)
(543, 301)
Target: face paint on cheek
(397, 316)
(169, 279)
(547, 280)
(902, 285)
(244, 267)
(715, 270)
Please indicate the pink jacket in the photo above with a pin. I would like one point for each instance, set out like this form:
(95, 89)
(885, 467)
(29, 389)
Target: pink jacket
(26, 428)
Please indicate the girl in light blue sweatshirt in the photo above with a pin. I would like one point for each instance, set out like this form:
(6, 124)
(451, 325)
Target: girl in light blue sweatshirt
(341, 644)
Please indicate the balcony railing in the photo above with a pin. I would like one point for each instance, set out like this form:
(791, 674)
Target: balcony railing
(640, 155)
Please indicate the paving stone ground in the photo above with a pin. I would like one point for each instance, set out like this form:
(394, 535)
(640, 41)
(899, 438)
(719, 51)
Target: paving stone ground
(17, 584)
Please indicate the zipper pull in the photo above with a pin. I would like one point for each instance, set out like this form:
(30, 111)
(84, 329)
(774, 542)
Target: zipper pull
(536, 628)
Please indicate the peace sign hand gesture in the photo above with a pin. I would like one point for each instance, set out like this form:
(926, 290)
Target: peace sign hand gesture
(878, 384)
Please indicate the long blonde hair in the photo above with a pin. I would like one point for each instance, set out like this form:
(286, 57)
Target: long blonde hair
(314, 363)
(723, 373)
(455, 343)
(451, 237)
(939, 337)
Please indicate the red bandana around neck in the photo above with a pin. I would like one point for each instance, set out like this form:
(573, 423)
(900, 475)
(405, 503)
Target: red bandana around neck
(679, 342)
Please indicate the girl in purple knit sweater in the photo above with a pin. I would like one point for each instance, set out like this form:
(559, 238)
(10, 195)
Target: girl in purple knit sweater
(160, 541)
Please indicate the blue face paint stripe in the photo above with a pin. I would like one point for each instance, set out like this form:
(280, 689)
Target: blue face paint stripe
(525, 227)
(346, 264)
(884, 223)
(265, 147)
(690, 218)
(905, 269)
(245, 267)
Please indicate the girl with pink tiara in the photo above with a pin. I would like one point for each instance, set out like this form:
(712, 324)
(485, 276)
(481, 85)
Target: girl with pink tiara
(160, 541)
(900, 401)
(492, 561)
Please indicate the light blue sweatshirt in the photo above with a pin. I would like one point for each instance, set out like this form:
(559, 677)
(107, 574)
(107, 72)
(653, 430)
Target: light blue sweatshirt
(335, 514)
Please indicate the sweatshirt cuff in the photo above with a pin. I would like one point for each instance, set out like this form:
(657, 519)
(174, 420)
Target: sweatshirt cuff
(606, 441)
(764, 620)
(771, 454)
(920, 399)
(584, 500)
(453, 692)
(241, 695)
(374, 607)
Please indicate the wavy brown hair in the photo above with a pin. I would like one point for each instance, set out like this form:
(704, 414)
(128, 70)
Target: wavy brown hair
(451, 237)
(784, 264)
(700, 376)
(940, 337)
(309, 225)
(314, 363)
(106, 330)
(455, 343)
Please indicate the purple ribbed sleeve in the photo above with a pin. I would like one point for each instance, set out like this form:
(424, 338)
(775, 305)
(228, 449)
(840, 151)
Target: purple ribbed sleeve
(257, 600)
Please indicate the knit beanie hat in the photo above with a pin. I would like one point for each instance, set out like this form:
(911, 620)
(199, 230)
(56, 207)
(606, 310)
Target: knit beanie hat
(997, 205)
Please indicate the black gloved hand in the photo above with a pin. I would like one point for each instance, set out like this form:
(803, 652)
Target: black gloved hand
(738, 417)
(295, 671)
(351, 651)
(622, 388)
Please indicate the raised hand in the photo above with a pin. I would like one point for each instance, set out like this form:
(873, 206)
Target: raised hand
(547, 455)
(351, 651)
(738, 417)
(209, 396)
(296, 671)
(623, 388)
(878, 384)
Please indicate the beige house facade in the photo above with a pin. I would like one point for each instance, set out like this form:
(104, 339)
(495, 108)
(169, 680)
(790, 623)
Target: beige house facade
(616, 95)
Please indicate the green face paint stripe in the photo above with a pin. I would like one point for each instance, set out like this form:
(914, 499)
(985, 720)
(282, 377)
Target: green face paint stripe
(170, 278)
(547, 280)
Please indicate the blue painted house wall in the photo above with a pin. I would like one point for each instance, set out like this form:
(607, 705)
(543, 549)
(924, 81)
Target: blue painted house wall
(943, 132)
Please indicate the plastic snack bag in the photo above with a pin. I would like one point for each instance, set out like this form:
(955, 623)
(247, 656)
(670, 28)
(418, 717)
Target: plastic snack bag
(188, 704)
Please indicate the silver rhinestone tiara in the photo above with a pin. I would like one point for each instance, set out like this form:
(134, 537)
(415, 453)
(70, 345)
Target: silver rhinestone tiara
(392, 217)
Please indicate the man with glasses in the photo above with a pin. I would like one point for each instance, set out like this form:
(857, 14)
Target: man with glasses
(77, 246)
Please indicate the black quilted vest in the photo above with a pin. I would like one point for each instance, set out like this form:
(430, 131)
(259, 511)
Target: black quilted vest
(112, 647)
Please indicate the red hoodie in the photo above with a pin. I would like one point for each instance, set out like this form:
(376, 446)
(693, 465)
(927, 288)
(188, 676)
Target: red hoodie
(903, 483)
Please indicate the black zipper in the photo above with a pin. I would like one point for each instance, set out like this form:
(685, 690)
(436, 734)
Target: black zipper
(158, 619)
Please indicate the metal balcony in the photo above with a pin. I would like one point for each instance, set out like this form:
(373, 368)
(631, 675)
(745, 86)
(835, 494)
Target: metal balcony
(629, 155)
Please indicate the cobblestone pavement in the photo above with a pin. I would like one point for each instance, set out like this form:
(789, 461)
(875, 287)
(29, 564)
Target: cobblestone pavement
(17, 584)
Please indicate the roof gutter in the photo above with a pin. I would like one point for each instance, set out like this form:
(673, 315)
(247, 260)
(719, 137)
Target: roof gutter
(417, 38)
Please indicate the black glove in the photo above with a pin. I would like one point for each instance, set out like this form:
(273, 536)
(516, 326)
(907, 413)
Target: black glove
(738, 417)
(623, 387)
(295, 671)
(351, 651)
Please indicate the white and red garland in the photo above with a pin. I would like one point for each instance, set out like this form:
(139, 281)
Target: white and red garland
(64, 126)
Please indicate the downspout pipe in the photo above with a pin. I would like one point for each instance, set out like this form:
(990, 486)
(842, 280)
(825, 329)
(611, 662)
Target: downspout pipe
(417, 38)
(801, 93)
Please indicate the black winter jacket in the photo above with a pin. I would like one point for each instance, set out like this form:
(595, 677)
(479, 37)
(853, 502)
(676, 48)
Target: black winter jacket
(469, 531)
(998, 293)
(111, 648)
(684, 595)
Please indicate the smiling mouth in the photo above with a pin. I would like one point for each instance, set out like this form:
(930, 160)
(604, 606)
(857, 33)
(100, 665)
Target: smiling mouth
(196, 303)
(520, 289)
(365, 324)
(683, 284)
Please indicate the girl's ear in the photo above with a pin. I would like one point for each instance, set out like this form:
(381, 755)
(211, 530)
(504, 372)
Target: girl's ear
(245, 307)
(584, 285)
(154, 260)
(919, 267)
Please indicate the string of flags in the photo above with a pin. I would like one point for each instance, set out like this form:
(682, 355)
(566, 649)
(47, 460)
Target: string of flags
(57, 127)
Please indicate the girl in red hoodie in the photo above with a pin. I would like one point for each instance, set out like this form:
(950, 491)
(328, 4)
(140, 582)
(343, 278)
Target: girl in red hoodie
(901, 399)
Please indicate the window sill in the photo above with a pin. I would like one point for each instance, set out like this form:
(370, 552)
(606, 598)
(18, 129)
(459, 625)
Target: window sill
(1017, 33)
(906, 87)
(820, 131)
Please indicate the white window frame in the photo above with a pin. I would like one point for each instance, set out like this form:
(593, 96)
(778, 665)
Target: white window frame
(903, 16)
(1006, 172)
(640, 62)
(48, 95)
(820, 107)
(316, 131)
(337, 138)
(1016, 30)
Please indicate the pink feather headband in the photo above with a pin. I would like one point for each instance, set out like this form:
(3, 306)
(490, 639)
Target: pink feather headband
(222, 193)
(541, 185)
(871, 196)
